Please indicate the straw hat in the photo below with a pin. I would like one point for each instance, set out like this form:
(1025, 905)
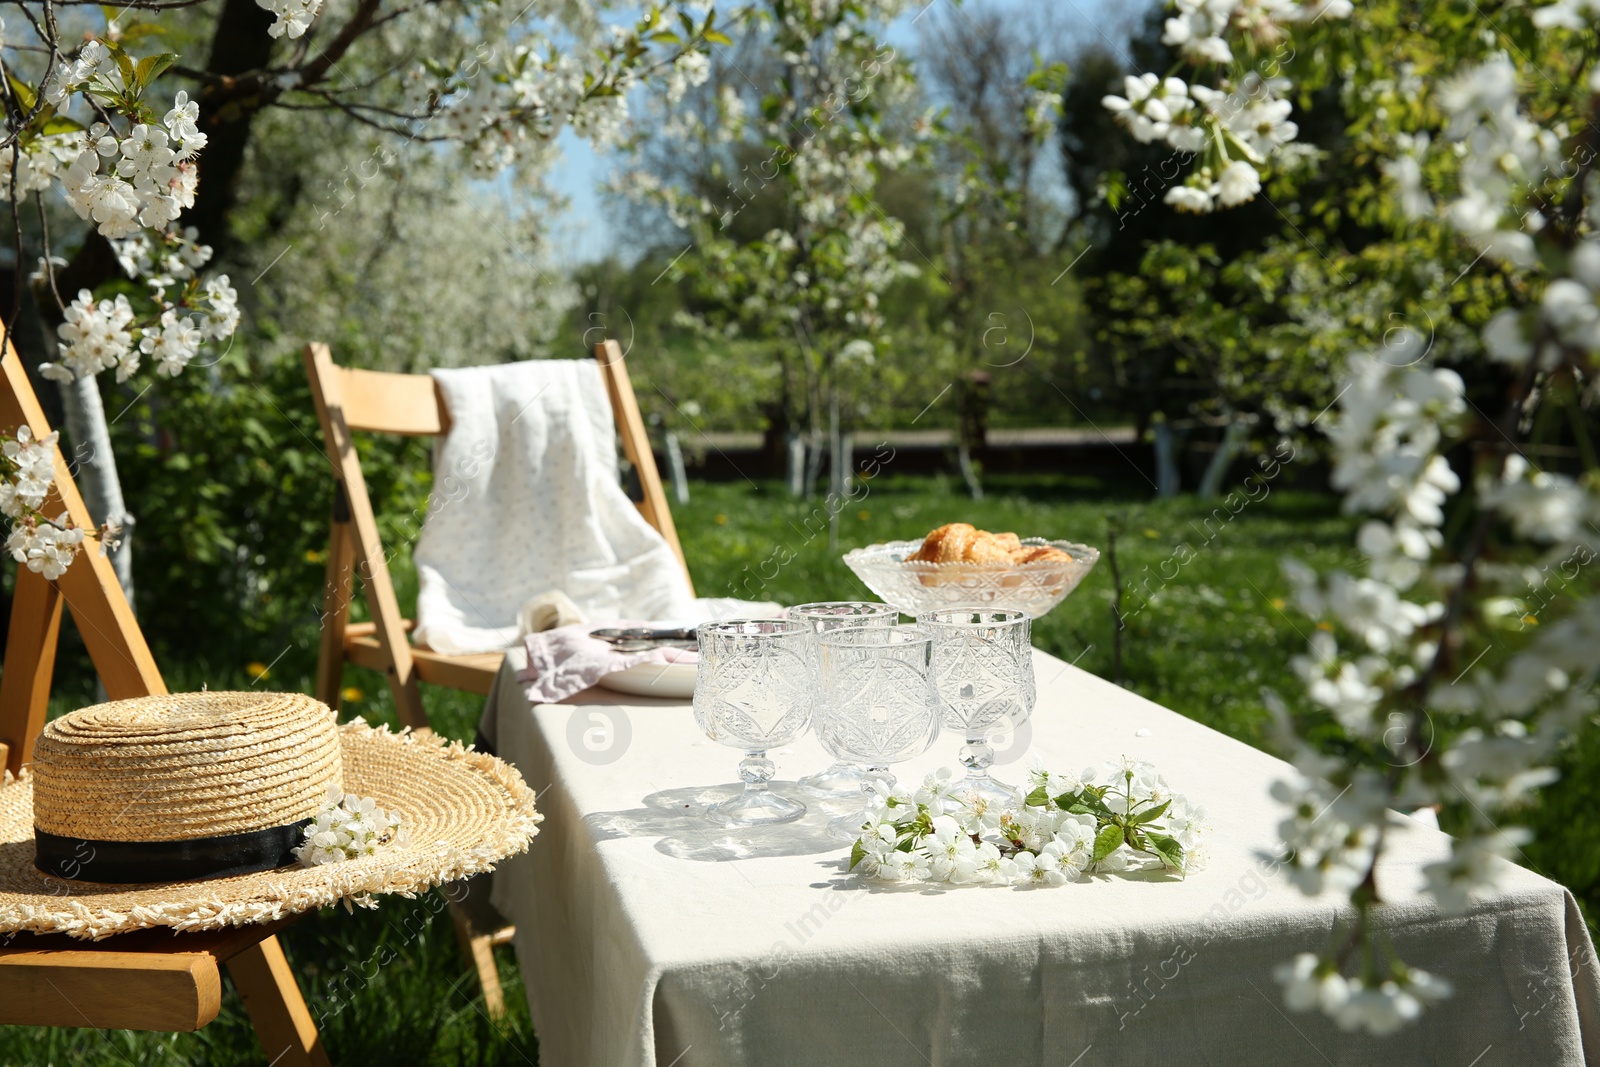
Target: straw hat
(183, 811)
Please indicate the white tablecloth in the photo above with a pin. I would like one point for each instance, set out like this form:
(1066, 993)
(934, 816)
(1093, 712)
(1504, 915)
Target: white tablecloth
(647, 935)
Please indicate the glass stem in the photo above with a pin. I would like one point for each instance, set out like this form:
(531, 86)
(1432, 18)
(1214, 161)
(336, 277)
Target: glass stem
(976, 756)
(756, 770)
(871, 775)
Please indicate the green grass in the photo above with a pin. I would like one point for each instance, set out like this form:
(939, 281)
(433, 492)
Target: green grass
(1211, 633)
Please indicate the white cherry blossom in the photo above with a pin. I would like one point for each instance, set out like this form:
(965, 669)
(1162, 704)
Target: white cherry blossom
(293, 17)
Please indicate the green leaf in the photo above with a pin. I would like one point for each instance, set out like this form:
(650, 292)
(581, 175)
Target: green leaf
(23, 94)
(718, 37)
(140, 30)
(1038, 798)
(1116, 186)
(102, 91)
(666, 37)
(1170, 851)
(1085, 803)
(150, 68)
(60, 124)
(857, 854)
(1106, 841)
(130, 78)
(1150, 814)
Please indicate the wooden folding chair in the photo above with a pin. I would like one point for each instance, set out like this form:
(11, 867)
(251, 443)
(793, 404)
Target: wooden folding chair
(149, 979)
(350, 400)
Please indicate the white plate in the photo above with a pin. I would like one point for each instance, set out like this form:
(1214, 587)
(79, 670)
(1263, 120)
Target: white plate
(653, 680)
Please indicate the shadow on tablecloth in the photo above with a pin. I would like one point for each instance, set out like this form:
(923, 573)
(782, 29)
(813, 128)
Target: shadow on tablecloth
(678, 818)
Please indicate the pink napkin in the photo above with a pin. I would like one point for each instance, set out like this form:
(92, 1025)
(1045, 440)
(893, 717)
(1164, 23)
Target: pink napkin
(567, 660)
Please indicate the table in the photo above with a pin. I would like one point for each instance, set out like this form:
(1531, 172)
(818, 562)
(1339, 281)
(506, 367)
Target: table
(647, 935)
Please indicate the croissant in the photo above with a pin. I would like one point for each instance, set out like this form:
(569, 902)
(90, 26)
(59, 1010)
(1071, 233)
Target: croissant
(1040, 554)
(947, 544)
(961, 542)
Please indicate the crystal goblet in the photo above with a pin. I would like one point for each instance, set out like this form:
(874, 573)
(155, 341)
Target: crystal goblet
(983, 673)
(878, 703)
(843, 778)
(754, 691)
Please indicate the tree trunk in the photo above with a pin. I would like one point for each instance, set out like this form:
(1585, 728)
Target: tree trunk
(240, 44)
(96, 470)
(836, 465)
(969, 471)
(972, 431)
(680, 477)
(813, 463)
(796, 465)
(1167, 480)
(845, 463)
(1228, 449)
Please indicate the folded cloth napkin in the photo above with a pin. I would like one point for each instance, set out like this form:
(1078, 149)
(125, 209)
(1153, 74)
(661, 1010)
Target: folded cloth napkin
(526, 500)
(567, 660)
(547, 611)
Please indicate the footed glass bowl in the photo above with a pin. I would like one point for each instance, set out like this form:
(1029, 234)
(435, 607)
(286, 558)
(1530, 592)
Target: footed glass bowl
(915, 586)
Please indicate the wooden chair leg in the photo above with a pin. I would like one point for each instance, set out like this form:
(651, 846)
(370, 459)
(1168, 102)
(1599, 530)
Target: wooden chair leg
(277, 1010)
(340, 586)
(29, 664)
(479, 927)
(477, 945)
(408, 700)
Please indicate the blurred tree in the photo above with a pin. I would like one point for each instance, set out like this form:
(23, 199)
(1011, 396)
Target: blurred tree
(498, 85)
(1001, 219)
(801, 151)
(1201, 319)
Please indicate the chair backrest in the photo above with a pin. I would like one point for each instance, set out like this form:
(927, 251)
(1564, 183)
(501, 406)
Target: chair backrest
(410, 404)
(89, 589)
(381, 402)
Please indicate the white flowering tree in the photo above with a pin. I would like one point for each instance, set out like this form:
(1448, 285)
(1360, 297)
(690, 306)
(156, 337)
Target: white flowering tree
(1452, 669)
(1000, 224)
(88, 120)
(805, 155)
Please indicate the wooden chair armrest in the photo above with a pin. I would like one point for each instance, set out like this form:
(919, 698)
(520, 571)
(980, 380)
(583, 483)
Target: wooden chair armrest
(368, 629)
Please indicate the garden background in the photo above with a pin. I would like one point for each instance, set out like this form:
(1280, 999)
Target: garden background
(1026, 275)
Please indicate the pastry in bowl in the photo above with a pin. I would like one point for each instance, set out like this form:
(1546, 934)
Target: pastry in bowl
(959, 565)
(961, 542)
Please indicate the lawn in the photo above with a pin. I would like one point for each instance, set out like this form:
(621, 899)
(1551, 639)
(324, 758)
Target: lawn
(1207, 630)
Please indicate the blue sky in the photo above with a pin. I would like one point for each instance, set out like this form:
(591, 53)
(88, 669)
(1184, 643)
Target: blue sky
(583, 234)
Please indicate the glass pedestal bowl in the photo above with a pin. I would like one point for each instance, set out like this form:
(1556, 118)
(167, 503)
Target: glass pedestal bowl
(914, 586)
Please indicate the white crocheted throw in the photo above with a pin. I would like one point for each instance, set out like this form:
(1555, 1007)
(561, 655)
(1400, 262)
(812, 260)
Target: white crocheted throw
(527, 501)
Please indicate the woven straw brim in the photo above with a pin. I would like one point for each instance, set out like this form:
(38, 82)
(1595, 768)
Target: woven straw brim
(464, 812)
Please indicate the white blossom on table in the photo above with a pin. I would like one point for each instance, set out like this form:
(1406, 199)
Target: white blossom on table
(1063, 828)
